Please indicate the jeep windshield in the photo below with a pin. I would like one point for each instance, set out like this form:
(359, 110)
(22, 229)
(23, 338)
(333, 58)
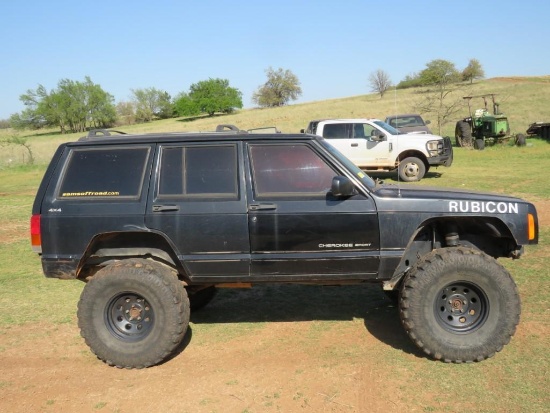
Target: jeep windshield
(367, 180)
(390, 129)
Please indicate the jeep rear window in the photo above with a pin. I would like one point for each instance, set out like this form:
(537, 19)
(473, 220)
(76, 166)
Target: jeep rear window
(104, 173)
(199, 172)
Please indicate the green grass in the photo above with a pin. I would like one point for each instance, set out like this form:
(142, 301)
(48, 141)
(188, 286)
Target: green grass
(505, 169)
(515, 380)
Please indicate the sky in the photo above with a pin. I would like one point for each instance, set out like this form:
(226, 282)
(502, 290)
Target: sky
(331, 46)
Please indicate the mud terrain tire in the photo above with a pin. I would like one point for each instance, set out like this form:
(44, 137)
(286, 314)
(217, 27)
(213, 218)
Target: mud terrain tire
(459, 305)
(133, 313)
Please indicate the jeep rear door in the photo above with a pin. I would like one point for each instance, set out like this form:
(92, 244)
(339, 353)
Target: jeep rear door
(95, 189)
(298, 230)
(199, 204)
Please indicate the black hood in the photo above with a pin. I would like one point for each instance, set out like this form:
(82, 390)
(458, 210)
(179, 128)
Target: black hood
(446, 200)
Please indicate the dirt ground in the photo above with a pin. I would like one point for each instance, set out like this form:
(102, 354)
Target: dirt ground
(286, 364)
(279, 367)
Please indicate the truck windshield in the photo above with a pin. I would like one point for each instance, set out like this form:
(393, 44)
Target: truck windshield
(390, 129)
(363, 177)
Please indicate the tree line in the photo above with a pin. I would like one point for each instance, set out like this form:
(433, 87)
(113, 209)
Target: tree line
(76, 106)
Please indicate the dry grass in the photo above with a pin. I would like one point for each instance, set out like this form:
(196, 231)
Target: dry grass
(523, 99)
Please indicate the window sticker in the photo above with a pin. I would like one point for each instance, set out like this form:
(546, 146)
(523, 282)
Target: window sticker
(91, 193)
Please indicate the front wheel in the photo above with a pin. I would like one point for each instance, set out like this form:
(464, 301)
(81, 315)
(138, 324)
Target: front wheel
(459, 305)
(411, 169)
(133, 313)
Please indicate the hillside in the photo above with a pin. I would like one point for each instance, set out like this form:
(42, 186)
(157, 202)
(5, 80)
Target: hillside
(523, 99)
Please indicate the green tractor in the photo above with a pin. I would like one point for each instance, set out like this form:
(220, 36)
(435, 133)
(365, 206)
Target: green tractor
(482, 127)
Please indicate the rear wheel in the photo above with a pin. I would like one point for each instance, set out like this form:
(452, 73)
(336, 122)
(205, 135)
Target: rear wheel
(459, 305)
(411, 169)
(463, 134)
(133, 313)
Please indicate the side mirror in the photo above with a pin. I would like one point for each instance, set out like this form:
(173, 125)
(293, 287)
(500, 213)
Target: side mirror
(428, 122)
(302, 131)
(341, 186)
(377, 137)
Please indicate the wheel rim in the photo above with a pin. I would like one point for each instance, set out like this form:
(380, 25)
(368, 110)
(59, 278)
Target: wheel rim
(411, 169)
(461, 307)
(129, 316)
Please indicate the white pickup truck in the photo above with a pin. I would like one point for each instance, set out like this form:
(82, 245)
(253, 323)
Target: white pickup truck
(373, 145)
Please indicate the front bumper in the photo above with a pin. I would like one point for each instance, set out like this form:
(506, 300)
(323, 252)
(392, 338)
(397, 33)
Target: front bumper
(446, 158)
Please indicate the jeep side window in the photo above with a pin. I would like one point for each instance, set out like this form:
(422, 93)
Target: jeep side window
(289, 170)
(198, 172)
(104, 173)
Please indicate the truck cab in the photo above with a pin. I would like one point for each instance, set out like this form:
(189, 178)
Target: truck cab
(373, 145)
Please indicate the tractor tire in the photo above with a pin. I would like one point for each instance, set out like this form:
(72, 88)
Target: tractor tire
(463, 134)
(459, 305)
(133, 313)
(411, 169)
(479, 144)
(520, 140)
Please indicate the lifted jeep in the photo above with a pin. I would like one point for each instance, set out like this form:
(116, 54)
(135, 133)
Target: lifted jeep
(153, 223)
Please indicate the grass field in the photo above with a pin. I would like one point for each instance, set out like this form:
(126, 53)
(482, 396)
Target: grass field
(311, 348)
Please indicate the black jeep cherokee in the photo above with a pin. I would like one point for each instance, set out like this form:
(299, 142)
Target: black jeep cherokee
(153, 223)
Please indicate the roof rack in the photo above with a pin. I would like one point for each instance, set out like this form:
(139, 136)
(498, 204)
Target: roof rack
(266, 129)
(227, 127)
(100, 133)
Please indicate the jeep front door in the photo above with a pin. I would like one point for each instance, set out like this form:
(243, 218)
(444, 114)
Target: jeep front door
(298, 230)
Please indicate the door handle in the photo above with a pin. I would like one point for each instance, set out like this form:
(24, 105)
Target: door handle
(163, 208)
(354, 145)
(262, 207)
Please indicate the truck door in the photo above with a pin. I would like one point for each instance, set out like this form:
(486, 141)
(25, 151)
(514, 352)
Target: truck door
(373, 145)
(298, 230)
(358, 142)
(199, 203)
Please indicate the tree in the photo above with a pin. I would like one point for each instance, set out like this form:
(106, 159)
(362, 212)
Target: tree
(281, 87)
(125, 113)
(442, 102)
(151, 103)
(73, 107)
(473, 71)
(211, 96)
(440, 73)
(411, 80)
(379, 82)
(185, 106)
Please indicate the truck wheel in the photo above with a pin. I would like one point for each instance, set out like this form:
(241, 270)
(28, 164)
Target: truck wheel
(199, 298)
(133, 313)
(459, 305)
(411, 169)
